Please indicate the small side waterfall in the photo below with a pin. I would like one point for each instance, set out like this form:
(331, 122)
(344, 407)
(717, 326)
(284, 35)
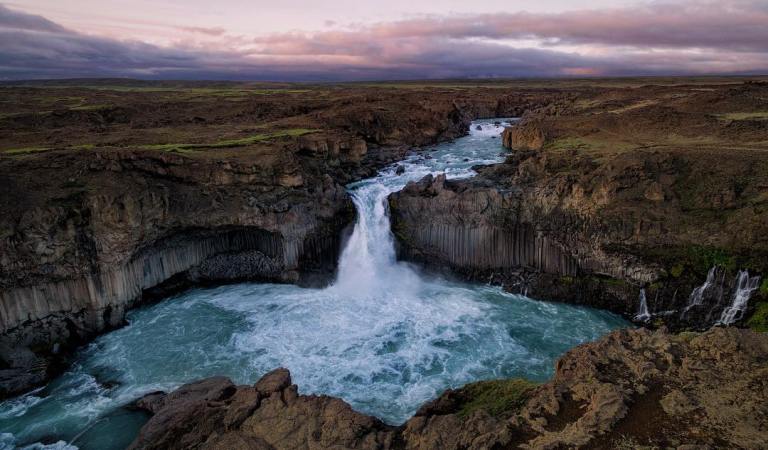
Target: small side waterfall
(697, 296)
(642, 313)
(745, 286)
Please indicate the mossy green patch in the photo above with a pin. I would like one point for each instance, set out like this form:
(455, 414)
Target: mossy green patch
(677, 270)
(697, 258)
(26, 150)
(90, 107)
(82, 147)
(764, 287)
(496, 397)
(23, 150)
(229, 143)
(687, 336)
(568, 143)
(609, 281)
(592, 145)
(759, 319)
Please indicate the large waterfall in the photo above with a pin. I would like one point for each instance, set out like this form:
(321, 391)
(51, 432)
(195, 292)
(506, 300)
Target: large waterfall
(383, 337)
(368, 266)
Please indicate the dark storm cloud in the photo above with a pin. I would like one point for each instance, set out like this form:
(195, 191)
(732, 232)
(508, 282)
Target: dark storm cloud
(657, 38)
(14, 19)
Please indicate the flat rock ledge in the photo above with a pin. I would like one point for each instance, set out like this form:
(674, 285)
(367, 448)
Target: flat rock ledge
(629, 389)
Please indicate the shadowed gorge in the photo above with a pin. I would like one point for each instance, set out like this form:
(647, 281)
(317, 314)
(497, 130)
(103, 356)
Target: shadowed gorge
(434, 262)
(388, 344)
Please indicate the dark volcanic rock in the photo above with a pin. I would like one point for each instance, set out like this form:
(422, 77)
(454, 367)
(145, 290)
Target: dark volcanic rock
(632, 387)
(539, 238)
(215, 414)
(603, 199)
(106, 217)
(149, 224)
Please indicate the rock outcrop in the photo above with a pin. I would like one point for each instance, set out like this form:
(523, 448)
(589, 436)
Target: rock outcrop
(631, 388)
(529, 135)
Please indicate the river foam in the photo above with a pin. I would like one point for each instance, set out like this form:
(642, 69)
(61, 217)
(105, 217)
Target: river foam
(383, 337)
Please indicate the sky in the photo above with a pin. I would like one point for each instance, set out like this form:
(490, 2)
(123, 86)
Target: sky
(341, 40)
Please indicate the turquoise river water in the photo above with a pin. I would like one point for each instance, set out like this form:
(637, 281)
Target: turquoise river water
(383, 336)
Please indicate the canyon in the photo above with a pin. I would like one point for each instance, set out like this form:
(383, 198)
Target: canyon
(91, 230)
(610, 196)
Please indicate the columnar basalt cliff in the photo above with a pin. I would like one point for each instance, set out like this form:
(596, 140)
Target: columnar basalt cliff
(595, 205)
(631, 388)
(131, 224)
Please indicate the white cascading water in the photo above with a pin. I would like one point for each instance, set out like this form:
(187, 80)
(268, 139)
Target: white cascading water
(697, 295)
(368, 265)
(383, 337)
(642, 312)
(745, 287)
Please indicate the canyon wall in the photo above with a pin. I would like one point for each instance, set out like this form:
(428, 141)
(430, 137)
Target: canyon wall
(599, 227)
(86, 234)
(136, 225)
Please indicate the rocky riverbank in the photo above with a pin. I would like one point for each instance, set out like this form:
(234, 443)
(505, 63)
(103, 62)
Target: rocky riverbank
(109, 206)
(631, 388)
(657, 195)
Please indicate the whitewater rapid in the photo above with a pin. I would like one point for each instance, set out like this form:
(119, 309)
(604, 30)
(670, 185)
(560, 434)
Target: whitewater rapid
(383, 336)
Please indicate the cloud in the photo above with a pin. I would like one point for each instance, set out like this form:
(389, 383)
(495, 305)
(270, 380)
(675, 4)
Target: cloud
(10, 19)
(215, 31)
(732, 25)
(725, 24)
(654, 38)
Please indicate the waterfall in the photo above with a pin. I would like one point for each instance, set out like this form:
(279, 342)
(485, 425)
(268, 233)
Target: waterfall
(642, 313)
(745, 286)
(697, 296)
(368, 264)
(383, 338)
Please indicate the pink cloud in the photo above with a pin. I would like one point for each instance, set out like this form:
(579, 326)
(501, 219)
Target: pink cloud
(735, 25)
(657, 38)
(216, 31)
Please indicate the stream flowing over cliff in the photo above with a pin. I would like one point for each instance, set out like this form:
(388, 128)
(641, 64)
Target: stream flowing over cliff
(383, 336)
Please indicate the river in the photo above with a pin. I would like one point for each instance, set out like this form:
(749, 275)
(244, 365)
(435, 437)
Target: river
(384, 337)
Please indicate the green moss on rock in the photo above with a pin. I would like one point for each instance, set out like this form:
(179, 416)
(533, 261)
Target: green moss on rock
(496, 397)
(677, 270)
(759, 320)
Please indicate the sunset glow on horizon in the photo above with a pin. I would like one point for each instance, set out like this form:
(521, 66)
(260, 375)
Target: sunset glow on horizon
(345, 40)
